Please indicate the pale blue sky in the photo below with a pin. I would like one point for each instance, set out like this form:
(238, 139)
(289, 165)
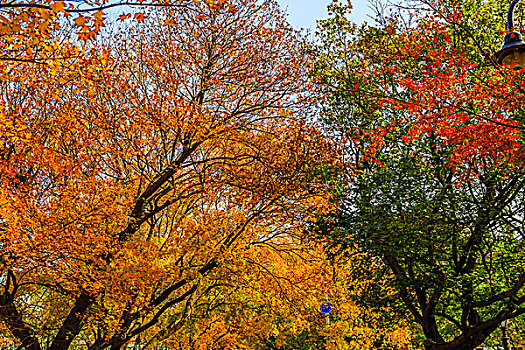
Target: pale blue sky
(303, 13)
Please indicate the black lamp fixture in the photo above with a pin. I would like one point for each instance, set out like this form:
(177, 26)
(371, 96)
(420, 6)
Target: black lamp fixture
(512, 54)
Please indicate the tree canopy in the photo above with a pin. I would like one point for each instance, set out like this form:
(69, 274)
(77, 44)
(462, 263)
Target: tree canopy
(431, 132)
(131, 176)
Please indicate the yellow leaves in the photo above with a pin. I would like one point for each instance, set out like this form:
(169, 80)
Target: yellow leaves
(215, 4)
(285, 295)
(401, 336)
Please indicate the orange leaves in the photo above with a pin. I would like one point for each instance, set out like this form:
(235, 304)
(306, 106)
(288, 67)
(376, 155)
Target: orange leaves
(124, 16)
(169, 22)
(90, 25)
(25, 29)
(215, 4)
(152, 172)
(139, 17)
(81, 21)
(57, 6)
(99, 16)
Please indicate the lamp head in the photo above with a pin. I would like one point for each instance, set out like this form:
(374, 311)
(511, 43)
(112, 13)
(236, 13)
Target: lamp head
(512, 54)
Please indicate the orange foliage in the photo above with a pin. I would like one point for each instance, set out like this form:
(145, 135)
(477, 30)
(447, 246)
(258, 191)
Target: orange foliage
(133, 176)
(272, 300)
(158, 186)
(30, 32)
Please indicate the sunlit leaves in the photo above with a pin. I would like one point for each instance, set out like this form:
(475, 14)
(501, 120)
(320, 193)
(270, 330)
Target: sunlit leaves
(436, 73)
(140, 173)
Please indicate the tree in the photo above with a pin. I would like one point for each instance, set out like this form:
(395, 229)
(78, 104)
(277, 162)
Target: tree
(135, 176)
(431, 130)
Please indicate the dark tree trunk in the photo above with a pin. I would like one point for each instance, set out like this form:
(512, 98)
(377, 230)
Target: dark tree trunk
(15, 323)
(72, 324)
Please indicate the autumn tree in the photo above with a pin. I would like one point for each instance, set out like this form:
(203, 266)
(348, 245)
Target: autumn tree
(431, 127)
(137, 177)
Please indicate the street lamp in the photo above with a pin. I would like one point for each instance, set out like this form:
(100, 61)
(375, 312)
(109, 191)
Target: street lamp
(504, 338)
(326, 308)
(512, 54)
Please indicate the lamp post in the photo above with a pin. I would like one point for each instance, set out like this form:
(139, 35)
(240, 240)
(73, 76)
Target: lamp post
(326, 308)
(504, 338)
(512, 54)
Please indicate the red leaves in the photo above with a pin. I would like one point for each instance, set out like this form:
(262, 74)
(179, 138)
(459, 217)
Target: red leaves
(439, 89)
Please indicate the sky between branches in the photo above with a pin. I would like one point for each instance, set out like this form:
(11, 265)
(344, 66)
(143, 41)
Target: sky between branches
(303, 13)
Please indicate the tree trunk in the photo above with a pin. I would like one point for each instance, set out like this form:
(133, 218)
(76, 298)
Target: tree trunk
(16, 325)
(72, 324)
